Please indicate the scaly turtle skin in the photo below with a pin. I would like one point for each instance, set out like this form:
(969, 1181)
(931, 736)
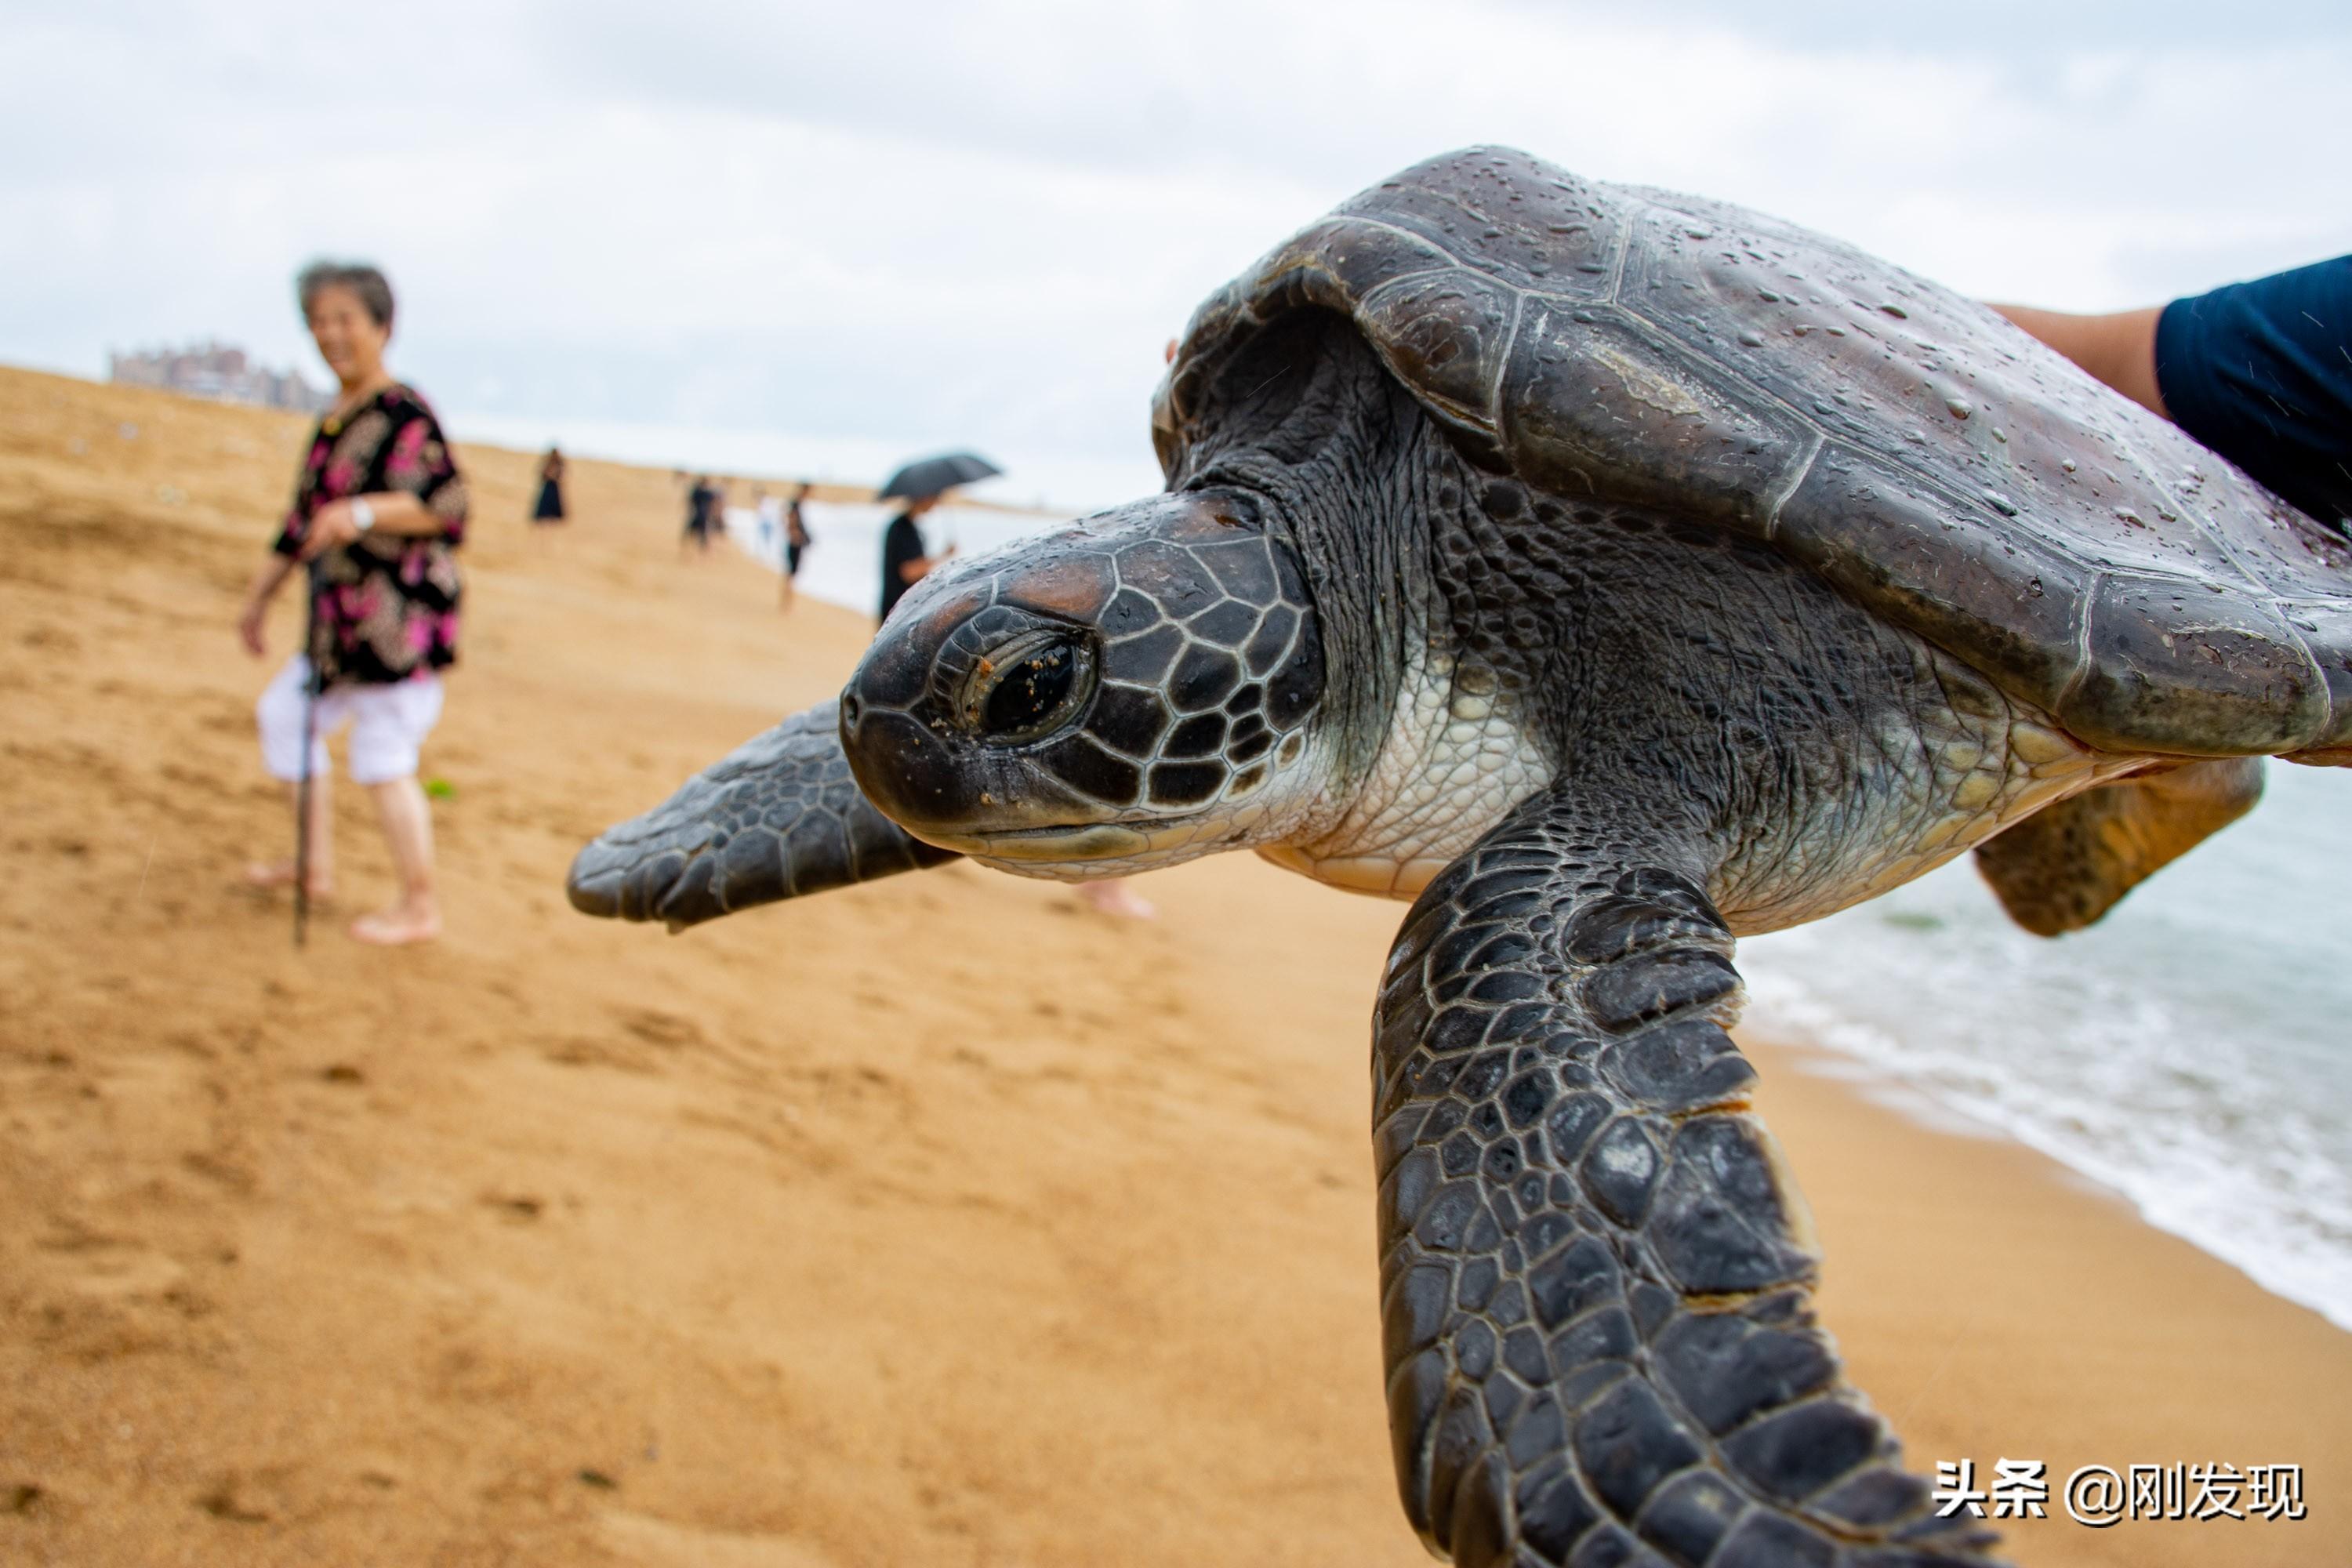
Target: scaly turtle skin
(1613, 574)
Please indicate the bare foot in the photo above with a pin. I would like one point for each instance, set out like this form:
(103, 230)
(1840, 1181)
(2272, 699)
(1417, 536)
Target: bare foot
(1113, 897)
(398, 926)
(280, 874)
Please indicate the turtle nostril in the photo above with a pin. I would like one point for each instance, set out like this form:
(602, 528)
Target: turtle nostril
(851, 710)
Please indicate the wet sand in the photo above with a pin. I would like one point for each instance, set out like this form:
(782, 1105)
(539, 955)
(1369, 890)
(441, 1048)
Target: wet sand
(934, 1221)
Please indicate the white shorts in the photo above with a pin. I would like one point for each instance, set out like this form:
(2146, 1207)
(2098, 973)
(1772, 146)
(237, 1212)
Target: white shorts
(388, 725)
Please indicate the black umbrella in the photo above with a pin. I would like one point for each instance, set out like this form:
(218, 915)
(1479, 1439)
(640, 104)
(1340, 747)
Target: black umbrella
(930, 476)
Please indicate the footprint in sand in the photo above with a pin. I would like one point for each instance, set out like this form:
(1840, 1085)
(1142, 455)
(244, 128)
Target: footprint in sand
(659, 1028)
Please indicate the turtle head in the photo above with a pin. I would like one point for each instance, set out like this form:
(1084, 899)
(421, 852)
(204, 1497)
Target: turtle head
(1137, 689)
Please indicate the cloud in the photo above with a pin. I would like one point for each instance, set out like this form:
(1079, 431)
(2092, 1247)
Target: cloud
(977, 223)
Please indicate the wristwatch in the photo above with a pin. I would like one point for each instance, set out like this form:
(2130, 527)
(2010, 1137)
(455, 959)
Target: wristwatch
(362, 514)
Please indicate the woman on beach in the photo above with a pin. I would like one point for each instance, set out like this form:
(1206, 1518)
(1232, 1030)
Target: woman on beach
(796, 539)
(548, 507)
(379, 507)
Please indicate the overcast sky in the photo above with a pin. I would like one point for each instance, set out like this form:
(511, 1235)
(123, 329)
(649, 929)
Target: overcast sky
(853, 230)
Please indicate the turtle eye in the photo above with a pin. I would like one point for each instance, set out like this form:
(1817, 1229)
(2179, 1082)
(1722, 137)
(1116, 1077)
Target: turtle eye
(1029, 688)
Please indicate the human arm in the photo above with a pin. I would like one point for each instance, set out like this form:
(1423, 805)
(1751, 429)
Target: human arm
(2118, 349)
(2259, 371)
(408, 481)
(921, 566)
(267, 578)
(398, 515)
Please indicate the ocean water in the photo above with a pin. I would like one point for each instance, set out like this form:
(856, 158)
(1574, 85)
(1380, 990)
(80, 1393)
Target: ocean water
(2192, 1051)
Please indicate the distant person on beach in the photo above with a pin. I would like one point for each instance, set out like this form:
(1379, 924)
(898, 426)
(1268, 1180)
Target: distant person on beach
(781, 521)
(702, 511)
(797, 540)
(548, 507)
(904, 564)
(379, 509)
(2261, 373)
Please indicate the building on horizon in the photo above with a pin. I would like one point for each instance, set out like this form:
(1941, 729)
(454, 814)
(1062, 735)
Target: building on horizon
(218, 371)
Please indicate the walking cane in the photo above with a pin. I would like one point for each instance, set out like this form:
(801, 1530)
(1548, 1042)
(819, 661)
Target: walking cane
(311, 683)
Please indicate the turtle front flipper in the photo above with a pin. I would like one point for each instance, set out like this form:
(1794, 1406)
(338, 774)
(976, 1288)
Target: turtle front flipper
(1595, 1271)
(777, 817)
(2070, 863)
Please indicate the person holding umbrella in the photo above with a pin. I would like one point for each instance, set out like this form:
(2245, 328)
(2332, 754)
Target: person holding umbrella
(920, 484)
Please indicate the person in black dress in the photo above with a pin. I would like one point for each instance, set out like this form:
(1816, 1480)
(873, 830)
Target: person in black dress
(548, 507)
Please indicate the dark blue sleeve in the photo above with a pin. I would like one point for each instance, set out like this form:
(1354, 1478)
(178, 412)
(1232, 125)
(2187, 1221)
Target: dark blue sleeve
(2262, 372)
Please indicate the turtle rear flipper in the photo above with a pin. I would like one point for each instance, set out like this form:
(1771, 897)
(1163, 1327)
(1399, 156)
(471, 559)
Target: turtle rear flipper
(2068, 863)
(777, 817)
(1596, 1272)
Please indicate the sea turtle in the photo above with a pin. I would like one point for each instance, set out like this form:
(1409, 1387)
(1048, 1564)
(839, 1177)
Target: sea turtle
(1613, 574)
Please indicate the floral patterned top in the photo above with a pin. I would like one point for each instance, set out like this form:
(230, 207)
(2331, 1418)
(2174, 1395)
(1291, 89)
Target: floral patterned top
(386, 606)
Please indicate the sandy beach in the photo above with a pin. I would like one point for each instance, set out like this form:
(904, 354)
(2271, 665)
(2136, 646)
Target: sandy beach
(937, 1221)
